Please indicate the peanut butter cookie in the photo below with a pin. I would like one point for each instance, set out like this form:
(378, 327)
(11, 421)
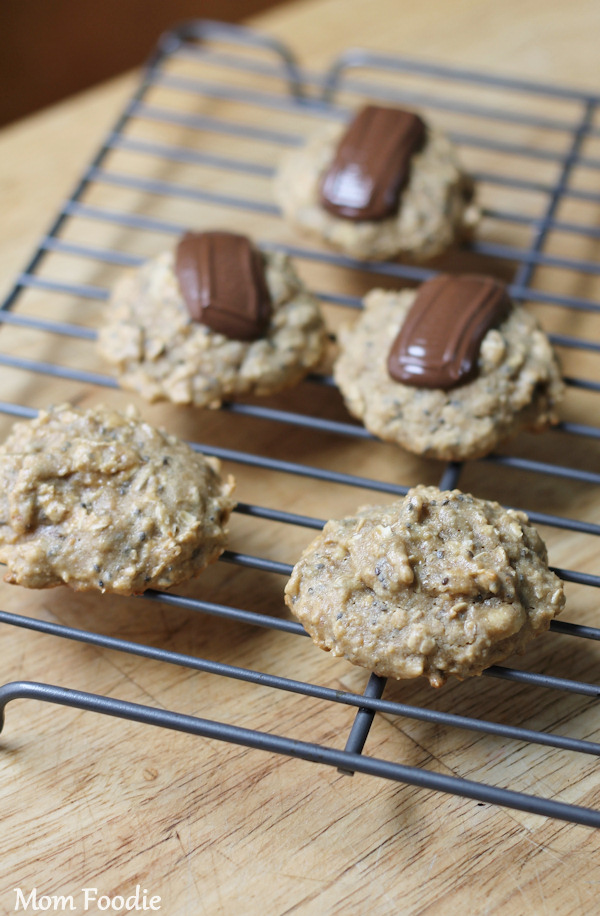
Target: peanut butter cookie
(384, 186)
(438, 380)
(98, 499)
(437, 584)
(211, 320)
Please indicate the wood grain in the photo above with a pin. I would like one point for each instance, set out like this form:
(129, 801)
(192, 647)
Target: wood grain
(210, 827)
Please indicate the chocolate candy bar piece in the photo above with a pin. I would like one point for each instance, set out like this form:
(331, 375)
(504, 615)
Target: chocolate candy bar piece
(222, 280)
(371, 166)
(438, 344)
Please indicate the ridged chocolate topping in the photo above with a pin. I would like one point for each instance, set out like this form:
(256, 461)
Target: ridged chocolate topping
(222, 280)
(439, 342)
(371, 166)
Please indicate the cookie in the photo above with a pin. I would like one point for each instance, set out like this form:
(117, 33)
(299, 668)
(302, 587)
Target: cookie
(212, 320)
(513, 379)
(98, 499)
(437, 584)
(385, 186)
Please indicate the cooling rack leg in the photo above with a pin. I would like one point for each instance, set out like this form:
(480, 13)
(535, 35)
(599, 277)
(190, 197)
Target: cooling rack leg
(363, 719)
(449, 479)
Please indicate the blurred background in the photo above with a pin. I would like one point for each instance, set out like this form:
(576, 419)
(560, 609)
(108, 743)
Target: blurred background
(54, 48)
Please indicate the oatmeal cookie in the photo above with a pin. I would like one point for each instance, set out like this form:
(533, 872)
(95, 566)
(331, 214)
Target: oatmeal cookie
(517, 383)
(433, 209)
(437, 584)
(162, 351)
(98, 499)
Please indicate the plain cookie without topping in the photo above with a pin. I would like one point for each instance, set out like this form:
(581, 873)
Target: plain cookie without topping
(518, 384)
(437, 584)
(435, 211)
(161, 352)
(98, 499)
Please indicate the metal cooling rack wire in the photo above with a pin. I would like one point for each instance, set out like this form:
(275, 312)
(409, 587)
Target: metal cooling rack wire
(367, 704)
(527, 258)
(344, 760)
(303, 750)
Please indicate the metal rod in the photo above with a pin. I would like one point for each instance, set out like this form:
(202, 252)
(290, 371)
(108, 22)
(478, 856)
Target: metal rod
(316, 753)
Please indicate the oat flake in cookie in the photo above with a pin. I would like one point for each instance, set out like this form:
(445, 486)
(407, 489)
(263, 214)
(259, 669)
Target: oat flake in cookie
(387, 185)
(98, 499)
(437, 584)
(213, 319)
(513, 380)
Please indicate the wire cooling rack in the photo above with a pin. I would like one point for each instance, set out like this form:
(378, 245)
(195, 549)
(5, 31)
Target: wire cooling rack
(216, 108)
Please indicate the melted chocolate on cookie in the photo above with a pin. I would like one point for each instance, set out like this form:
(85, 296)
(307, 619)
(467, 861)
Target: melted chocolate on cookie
(371, 166)
(438, 344)
(222, 280)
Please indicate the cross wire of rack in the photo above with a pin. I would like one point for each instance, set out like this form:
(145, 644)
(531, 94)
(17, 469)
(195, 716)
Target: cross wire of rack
(240, 52)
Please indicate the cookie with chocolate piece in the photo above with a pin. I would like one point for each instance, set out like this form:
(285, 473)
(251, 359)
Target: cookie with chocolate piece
(448, 370)
(385, 185)
(211, 320)
(439, 583)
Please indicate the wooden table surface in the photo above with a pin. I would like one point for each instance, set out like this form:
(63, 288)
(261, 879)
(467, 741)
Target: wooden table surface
(87, 801)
